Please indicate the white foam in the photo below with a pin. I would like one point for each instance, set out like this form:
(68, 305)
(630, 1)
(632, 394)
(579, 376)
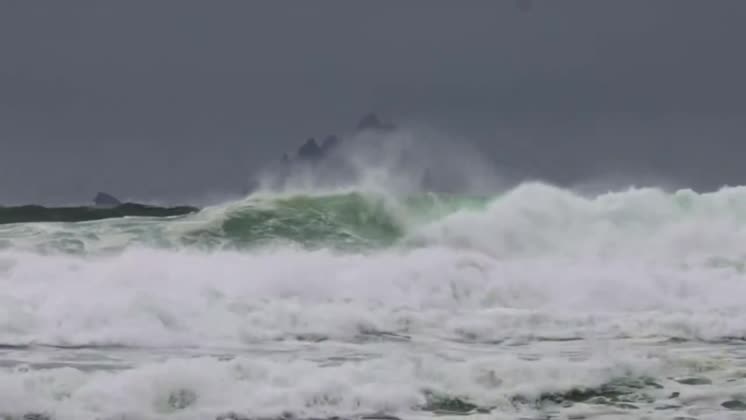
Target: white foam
(537, 263)
(275, 384)
(539, 220)
(165, 298)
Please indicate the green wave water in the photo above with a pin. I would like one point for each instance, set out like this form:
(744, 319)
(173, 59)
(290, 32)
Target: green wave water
(343, 220)
(532, 219)
(535, 303)
(349, 221)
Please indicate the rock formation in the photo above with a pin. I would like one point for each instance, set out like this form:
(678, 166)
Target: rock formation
(329, 144)
(372, 122)
(310, 150)
(331, 166)
(103, 199)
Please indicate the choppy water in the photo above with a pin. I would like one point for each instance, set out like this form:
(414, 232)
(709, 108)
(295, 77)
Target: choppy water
(537, 303)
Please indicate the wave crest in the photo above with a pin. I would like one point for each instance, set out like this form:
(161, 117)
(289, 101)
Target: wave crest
(530, 220)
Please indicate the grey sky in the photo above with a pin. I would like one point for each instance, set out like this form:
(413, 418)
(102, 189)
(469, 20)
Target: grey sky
(178, 100)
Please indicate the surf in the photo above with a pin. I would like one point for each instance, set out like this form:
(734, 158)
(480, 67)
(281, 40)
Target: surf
(534, 298)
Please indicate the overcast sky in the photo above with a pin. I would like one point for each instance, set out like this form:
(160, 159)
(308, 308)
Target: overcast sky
(180, 100)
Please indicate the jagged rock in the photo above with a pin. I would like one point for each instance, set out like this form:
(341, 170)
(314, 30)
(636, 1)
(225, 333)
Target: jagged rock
(329, 167)
(372, 122)
(107, 200)
(329, 143)
(310, 150)
(369, 121)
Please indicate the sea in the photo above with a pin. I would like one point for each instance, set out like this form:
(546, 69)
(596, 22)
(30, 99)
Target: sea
(535, 303)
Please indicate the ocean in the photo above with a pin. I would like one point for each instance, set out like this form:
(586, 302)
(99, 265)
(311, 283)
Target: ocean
(535, 303)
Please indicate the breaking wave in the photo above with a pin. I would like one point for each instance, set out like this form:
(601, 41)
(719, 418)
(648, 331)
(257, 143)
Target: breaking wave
(529, 220)
(360, 302)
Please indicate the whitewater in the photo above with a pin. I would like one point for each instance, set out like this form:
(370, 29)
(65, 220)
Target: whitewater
(535, 303)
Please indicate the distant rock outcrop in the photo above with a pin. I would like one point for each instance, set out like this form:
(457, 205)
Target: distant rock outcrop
(35, 214)
(331, 166)
(103, 199)
(310, 150)
(372, 122)
(329, 143)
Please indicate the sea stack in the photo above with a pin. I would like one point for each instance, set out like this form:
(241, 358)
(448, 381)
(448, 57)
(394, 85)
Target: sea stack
(372, 122)
(103, 199)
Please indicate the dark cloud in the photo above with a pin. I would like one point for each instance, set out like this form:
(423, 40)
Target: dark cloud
(176, 99)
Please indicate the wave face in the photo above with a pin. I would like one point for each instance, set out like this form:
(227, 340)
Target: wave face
(345, 221)
(530, 220)
(527, 303)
